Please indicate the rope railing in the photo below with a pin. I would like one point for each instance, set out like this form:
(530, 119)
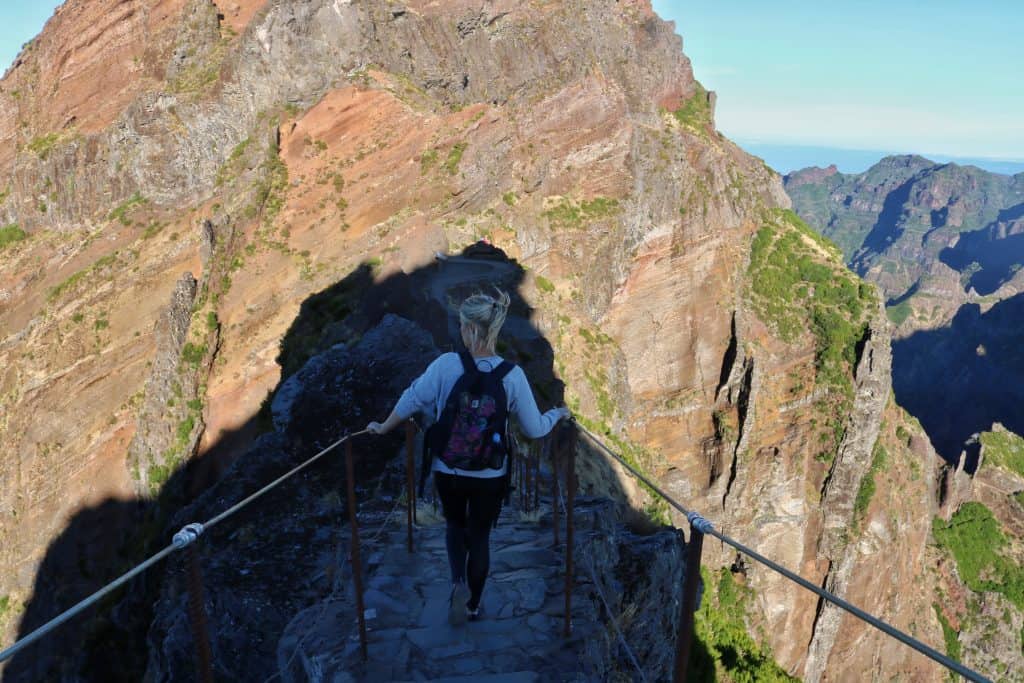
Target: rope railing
(701, 526)
(190, 533)
(184, 538)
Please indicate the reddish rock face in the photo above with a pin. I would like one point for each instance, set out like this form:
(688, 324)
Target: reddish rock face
(272, 150)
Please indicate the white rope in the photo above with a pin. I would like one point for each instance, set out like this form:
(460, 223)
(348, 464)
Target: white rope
(607, 608)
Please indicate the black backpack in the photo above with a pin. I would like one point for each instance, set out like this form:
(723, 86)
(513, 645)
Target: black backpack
(470, 434)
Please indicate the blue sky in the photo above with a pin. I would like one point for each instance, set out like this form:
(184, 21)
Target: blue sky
(20, 21)
(941, 77)
(935, 78)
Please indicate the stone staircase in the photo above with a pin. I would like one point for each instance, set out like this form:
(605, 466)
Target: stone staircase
(518, 638)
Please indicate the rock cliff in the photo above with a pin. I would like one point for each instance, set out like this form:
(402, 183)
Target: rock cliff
(273, 147)
(944, 244)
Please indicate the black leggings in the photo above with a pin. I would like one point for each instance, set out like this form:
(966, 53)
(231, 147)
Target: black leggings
(470, 507)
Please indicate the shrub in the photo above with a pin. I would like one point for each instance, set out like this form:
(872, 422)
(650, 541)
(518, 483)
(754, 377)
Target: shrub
(544, 284)
(866, 490)
(950, 636)
(427, 161)
(451, 164)
(121, 212)
(42, 145)
(974, 538)
(568, 214)
(9, 234)
(696, 111)
(193, 354)
(730, 653)
(1004, 449)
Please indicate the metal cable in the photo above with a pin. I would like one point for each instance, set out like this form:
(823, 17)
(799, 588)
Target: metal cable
(611, 615)
(183, 538)
(238, 506)
(84, 604)
(706, 528)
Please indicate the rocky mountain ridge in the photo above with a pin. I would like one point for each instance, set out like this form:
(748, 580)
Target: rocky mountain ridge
(930, 235)
(269, 148)
(944, 243)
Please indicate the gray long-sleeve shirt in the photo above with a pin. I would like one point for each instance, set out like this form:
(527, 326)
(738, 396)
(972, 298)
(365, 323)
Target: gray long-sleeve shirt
(429, 392)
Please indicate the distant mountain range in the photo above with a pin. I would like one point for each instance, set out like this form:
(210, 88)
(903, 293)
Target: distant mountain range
(789, 158)
(945, 244)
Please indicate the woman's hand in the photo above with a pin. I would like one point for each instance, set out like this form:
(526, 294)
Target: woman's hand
(563, 413)
(376, 428)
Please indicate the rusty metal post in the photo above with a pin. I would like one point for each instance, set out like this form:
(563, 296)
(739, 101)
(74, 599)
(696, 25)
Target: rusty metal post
(556, 494)
(197, 616)
(357, 564)
(410, 488)
(522, 477)
(536, 477)
(684, 637)
(570, 494)
(526, 481)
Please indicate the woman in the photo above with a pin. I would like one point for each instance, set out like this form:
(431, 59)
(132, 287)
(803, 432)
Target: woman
(471, 498)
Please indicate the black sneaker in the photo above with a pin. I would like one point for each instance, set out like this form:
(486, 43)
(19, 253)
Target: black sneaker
(457, 613)
(473, 614)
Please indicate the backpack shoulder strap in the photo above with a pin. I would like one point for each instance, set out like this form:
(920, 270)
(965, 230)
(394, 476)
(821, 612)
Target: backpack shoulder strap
(468, 364)
(502, 370)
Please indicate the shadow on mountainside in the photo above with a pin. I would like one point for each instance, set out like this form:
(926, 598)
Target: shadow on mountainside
(959, 379)
(991, 255)
(278, 556)
(885, 231)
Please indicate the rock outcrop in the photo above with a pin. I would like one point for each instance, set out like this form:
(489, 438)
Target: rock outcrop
(944, 243)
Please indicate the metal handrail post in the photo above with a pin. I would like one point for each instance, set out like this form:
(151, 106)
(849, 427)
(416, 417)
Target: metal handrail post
(570, 494)
(197, 616)
(556, 494)
(536, 477)
(357, 565)
(688, 608)
(410, 488)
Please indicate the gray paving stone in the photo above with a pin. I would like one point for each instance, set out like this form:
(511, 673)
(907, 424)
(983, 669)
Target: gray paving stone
(514, 677)
(532, 594)
(374, 598)
(447, 651)
(435, 637)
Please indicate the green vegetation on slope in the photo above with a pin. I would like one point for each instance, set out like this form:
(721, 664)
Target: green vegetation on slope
(949, 635)
(898, 313)
(798, 282)
(730, 654)
(568, 214)
(9, 234)
(974, 538)
(451, 164)
(866, 491)
(121, 212)
(696, 111)
(1004, 449)
(42, 145)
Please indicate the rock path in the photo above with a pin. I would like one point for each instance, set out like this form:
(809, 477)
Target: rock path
(517, 640)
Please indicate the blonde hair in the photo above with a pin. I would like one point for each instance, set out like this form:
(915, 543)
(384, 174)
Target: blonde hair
(483, 315)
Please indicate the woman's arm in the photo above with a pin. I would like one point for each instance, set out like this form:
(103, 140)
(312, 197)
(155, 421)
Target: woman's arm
(394, 419)
(523, 405)
(420, 397)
